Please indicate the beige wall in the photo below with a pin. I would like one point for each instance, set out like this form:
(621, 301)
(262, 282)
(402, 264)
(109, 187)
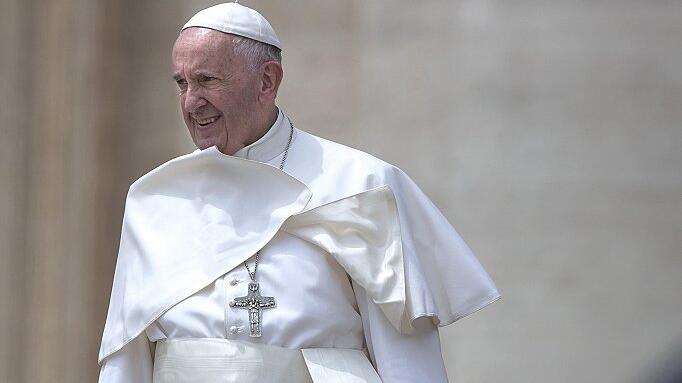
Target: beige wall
(548, 132)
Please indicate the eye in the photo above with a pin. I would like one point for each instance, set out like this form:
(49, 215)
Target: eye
(205, 79)
(182, 83)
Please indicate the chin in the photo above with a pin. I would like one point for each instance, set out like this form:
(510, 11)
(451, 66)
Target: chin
(205, 143)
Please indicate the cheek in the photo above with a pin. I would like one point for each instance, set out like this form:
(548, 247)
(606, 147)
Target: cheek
(225, 103)
(182, 104)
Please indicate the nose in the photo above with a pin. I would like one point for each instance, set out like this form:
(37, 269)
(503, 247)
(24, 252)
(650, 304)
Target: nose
(193, 99)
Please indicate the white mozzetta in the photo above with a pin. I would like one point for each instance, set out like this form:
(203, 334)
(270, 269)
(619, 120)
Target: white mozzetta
(186, 223)
(409, 270)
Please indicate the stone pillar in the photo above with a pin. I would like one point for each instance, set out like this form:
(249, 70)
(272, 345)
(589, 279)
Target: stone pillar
(13, 201)
(87, 87)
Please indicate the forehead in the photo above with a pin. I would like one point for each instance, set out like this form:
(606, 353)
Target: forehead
(202, 48)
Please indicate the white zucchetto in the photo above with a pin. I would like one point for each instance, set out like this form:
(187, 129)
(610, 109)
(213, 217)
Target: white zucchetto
(235, 19)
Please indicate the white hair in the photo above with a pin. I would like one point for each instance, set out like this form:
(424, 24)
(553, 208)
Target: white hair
(255, 52)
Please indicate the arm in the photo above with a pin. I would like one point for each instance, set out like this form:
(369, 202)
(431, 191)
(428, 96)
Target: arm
(132, 363)
(401, 358)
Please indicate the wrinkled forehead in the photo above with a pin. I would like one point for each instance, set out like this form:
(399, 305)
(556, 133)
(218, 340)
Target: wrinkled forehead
(197, 38)
(203, 46)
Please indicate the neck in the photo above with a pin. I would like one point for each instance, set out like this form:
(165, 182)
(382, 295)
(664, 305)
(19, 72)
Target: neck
(271, 145)
(269, 119)
(255, 132)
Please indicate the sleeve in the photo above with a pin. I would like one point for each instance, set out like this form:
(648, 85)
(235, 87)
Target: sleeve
(444, 279)
(132, 363)
(400, 358)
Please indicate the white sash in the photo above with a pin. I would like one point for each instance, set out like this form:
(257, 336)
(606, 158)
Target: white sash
(210, 360)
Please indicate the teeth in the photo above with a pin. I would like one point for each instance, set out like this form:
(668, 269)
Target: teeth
(206, 121)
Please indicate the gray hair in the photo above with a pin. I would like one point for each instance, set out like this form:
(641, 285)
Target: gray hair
(255, 52)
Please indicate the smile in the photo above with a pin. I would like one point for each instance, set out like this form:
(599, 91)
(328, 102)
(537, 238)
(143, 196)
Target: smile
(207, 121)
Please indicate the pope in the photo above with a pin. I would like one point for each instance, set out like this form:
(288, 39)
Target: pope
(272, 255)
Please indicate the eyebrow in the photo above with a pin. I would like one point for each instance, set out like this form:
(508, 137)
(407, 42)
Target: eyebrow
(206, 74)
(178, 77)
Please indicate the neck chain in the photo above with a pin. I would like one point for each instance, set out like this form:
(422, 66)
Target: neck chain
(253, 301)
(286, 150)
(281, 167)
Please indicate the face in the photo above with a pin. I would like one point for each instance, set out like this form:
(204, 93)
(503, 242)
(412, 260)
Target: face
(218, 93)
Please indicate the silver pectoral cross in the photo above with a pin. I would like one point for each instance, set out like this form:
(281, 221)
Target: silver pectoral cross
(255, 303)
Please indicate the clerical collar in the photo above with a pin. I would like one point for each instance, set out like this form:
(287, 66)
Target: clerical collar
(271, 145)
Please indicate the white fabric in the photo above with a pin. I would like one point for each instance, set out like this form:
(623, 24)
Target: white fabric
(213, 360)
(187, 223)
(397, 357)
(235, 19)
(227, 361)
(134, 363)
(270, 145)
(317, 304)
(339, 365)
(363, 234)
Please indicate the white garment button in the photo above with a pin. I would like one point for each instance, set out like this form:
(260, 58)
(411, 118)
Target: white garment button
(234, 281)
(231, 303)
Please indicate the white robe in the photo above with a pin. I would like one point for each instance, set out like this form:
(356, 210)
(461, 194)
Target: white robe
(318, 304)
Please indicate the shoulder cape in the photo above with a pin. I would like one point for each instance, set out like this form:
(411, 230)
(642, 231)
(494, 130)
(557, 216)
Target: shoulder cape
(198, 216)
(410, 269)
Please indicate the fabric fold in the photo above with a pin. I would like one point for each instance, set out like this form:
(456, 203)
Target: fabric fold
(339, 365)
(407, 279)
(198, 216)
(186, 223)
(362, 233)
(211, 360)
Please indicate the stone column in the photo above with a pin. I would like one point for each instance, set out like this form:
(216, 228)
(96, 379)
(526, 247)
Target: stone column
(87, 107)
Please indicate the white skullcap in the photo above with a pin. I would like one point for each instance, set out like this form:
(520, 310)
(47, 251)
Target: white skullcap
(235, 19)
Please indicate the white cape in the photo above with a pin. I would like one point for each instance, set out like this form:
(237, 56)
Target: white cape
(198, 216)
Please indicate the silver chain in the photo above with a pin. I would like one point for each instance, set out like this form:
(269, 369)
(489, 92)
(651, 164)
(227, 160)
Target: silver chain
(255, 268)
(281, 167)
(286, 151)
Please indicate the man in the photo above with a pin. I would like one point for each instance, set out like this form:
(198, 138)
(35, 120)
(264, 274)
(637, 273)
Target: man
(272, 255)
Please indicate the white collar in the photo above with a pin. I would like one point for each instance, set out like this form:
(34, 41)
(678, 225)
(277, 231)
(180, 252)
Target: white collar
(271, 145)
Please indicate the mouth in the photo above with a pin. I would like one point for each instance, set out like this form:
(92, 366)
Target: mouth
(203, 122)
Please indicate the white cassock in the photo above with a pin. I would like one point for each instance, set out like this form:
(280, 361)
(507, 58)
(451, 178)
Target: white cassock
(355, 254)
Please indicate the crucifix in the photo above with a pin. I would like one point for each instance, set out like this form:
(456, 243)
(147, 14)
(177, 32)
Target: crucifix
(255, 303)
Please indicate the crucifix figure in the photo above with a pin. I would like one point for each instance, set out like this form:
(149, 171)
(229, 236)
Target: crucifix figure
(255, 303)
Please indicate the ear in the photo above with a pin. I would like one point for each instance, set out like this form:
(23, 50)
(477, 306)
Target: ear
(272, 74)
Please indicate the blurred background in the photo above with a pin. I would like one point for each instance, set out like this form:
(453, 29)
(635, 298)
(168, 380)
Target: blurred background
(548, 132)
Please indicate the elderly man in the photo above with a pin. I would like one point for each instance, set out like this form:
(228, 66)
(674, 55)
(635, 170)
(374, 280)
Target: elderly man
(272, 255)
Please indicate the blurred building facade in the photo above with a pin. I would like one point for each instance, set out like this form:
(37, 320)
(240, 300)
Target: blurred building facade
(549, 133)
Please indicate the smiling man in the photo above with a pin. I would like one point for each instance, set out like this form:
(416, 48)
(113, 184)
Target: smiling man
(272, 255)
(227, 85)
